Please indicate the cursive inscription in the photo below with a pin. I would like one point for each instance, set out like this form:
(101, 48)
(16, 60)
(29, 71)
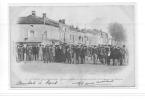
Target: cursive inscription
(38, 82)
(93, 83)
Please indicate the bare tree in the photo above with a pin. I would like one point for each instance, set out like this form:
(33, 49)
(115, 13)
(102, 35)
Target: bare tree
(117, 31)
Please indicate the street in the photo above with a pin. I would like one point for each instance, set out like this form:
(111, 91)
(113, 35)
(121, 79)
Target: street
(61, 70)
(24, 71)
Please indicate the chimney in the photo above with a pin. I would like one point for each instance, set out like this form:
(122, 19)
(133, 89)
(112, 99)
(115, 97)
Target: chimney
(33, 13)
(62, 21)
(44, 15)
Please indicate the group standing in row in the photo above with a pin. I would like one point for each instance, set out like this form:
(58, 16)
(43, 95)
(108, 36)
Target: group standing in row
(73, 54)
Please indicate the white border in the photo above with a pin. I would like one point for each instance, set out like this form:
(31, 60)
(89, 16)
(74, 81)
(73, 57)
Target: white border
(140, 65)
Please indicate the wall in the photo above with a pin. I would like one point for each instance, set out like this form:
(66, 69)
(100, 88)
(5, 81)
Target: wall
(40, 31)
(43, 32)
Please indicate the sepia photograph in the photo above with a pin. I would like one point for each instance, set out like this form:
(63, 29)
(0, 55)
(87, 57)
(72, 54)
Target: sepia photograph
(72, 46)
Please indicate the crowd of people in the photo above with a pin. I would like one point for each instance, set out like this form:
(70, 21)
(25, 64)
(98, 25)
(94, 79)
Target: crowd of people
(72, 54)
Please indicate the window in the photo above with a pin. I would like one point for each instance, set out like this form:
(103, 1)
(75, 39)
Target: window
(82, 39)
(45, 35)
(31, 33)
(79, 37)
(70, 37)
(87, 38)
(73, 38)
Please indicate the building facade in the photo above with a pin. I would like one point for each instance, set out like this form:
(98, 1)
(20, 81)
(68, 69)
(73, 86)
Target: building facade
(42, 29)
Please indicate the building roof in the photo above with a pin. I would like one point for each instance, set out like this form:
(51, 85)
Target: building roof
(31, 19)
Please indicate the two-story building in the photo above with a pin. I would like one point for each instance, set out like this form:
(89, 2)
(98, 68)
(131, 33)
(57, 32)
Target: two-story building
(35, 30)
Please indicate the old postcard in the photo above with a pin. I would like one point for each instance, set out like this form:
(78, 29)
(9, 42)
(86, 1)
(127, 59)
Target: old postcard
(72, 46)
